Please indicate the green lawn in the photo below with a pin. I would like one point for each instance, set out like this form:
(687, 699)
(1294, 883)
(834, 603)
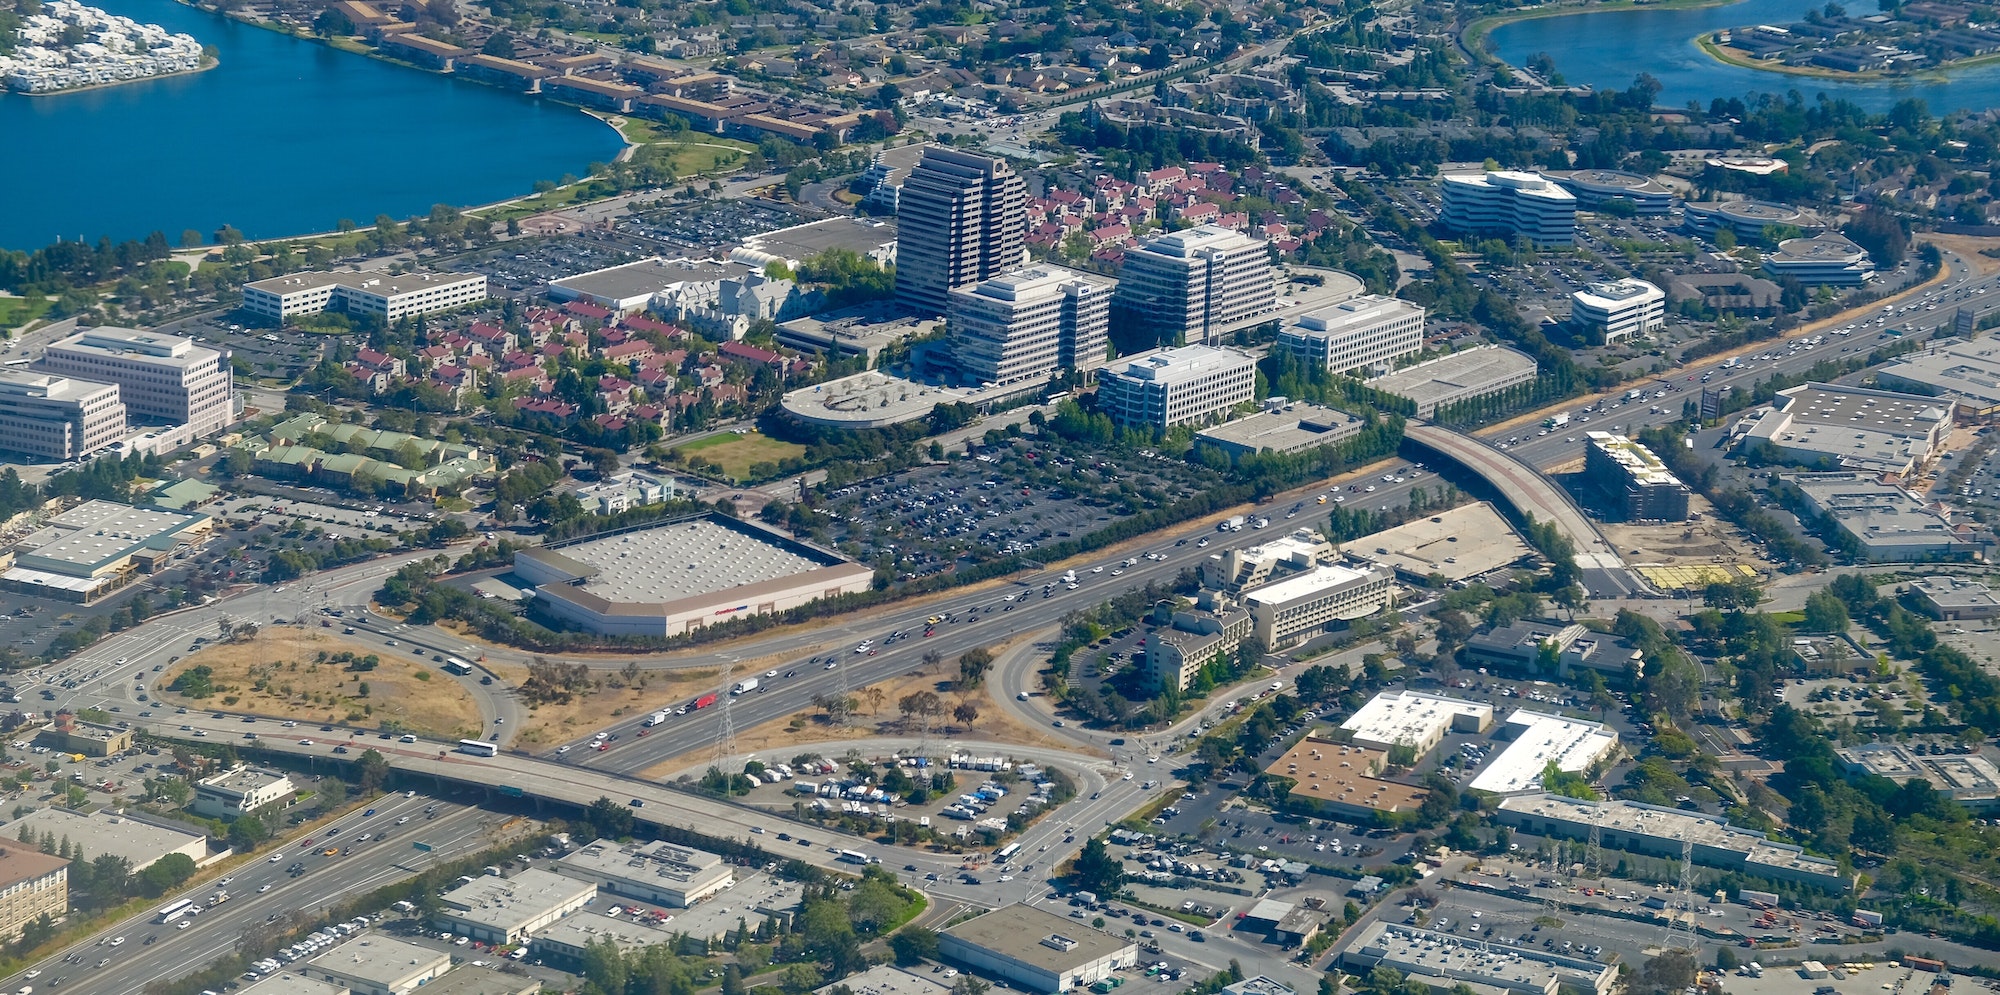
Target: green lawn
(18, 311)
(736, 454)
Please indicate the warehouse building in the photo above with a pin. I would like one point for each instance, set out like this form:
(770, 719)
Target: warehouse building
(567, 941)
(507, 910)
(388, 298)
(1181, 386)
(1657, 832)
(1299, 607)
(872, 239)
(1037, 950)
(1967, 373)
(1415, 720)
(1640, 486)
(1618, 309)
(1954, 599)
(1885, 522)
(240, 791)
(99, 547)
(884, 979)
(1538, 739)
(287, 983)
(1851, 428)
(1466, 542)
(1971, 780)
(658, 872)
(1291, 427)
(1370, 332)
(101, 833)
(673, 578)
(1339, 780)
(478, 979)
(377, 964)
(57, 418)
(1445, 961)
(1461, 376)
(631, 287)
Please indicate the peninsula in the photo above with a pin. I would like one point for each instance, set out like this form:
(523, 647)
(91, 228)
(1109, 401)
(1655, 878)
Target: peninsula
(65, 45)
(1911, 37)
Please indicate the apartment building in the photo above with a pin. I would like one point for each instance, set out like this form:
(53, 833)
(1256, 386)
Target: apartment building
(1506, 204)
(961, 218)
(1029, 323)
(1177, 386)
(388, 298)
(159, 376)
(54, 417)
(1196, 284)
(1369, 332)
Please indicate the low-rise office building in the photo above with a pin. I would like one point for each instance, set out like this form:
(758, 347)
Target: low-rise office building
(1370, 332)
(1461, 376)
(1028, 324)
(1297, 608)
(1037, 950)
(884, 979)
(159, 376)
(377, 964)
(659, 872)
(1748, 220)
(241, 791)
(1339, 780)
(1637, 482)
(1176, 654)
(1966, 373)
(33, 884)
(1827, 260)
(1292, 427)
(388, 298)
(1595, 188)
(566, 942)
(1885, 523)
(1446, 962)
(1540, 647)
(58, 418)
(1181, 386)
(102, 833)
(1954, 599)
(1658, 832)
(1538, 739)
(1618, 309)
(69, 734)
(1834, 426)
(508, 910)
(1971, 780)
(1508, 205)
(1415, 720)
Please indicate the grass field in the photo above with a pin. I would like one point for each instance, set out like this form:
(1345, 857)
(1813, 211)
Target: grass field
(18, 311)
(278, 673)
(736, 454)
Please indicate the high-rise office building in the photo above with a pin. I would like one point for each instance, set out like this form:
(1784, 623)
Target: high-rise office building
(1367, 331)
(1196, 284)
(46, 415)
(960, 219)
(158, 375)
(1029, 323)
(1505, 204)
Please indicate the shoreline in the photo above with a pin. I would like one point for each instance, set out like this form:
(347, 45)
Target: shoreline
(1473, 36)
(207, 64)
(1737, 57)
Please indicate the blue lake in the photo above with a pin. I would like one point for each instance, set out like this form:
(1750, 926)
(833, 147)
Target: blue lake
(284, 137)
(1608, 50)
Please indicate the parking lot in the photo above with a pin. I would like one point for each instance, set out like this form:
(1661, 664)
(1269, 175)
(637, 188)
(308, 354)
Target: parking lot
(527, 264)
(709, 225)
(268, 353)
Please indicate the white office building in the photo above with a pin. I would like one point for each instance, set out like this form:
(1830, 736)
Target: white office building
(659, 872)
(386, 297)
(160, 376)
(54, 417)
(1828, 260)
(1197, 284)
(1037, 950)
(1506, 204)
(1596, 187)
(377, 964)
(1370, 332)
(1295, 609)
(1538, 739)
(1415, 719)
(240, 791)
(1028, 324)
(1618, 309)
(1177, 386)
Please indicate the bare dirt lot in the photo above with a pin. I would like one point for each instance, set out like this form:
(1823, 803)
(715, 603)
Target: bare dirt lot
(1710, 542)
(297, 674)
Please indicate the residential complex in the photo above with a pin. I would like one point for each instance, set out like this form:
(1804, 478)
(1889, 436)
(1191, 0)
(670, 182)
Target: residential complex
(1636, 481)
(1461, 376)
(1196, 284)
(1827, 260)
(1035, 949)
(1851, 428)
(1886, 523)
(1339, 780)
(1620, 309)
(1177, 387)
(1028, 324)
(1370, 332)
(385, 297)
(57, 418)
(960, 219)
(1594, 188)
(1295, 609)
(1659, 832)
(1509, 205)
(159, 376)
(1748, 220)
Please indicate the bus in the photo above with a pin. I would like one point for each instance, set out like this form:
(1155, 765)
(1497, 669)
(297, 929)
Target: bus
(176, 910)
(479, 747)
(1007, 853)
(853, 857)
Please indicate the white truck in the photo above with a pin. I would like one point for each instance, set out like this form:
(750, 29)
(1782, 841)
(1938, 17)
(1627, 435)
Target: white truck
(657, 718)
(1069, 577)
(1557, 420)
(1233, 523)
(744, 686)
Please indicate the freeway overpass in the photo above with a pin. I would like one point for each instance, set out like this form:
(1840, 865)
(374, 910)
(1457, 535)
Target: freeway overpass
(1529, 493)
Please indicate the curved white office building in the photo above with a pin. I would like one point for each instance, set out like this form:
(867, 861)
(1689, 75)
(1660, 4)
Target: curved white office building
(1828, 260)
(1618, 309)
(1593, 187)
(1506, 204)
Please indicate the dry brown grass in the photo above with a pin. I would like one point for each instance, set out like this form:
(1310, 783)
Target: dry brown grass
(560, 722)
(278, 673)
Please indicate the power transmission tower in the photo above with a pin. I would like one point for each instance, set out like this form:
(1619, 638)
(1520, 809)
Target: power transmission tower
(1689, 942)
(725, 738)
(1593, 857)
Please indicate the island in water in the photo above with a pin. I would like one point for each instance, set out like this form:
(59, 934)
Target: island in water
(1904, 38)
(63, 45)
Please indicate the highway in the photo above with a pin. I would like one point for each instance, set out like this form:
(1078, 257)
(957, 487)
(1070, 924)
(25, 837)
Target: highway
(214, 932)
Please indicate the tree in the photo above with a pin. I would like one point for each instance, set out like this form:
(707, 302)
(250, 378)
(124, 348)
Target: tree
(374, 771)
(966, 714)
(1825, 612)
(1671, 971)
(608, 818)
(1096, 870)
(168, 872)
(972, 668)
(914, 944)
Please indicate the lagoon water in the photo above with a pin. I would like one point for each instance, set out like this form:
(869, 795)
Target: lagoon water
(1607, 50)
(284, 137)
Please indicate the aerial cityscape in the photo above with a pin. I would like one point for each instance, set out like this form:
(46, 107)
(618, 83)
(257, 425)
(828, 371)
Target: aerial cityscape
(694, 497)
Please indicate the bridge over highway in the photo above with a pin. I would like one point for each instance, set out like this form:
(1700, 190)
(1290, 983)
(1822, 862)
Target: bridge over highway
(1530, 493)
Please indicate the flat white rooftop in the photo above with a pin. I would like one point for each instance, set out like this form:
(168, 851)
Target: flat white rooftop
(1412, 717)
(683, 560)
(1320, 578)
(1573, 745)
(1466, 541)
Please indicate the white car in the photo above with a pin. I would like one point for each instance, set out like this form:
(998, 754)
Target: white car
(277, 857)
